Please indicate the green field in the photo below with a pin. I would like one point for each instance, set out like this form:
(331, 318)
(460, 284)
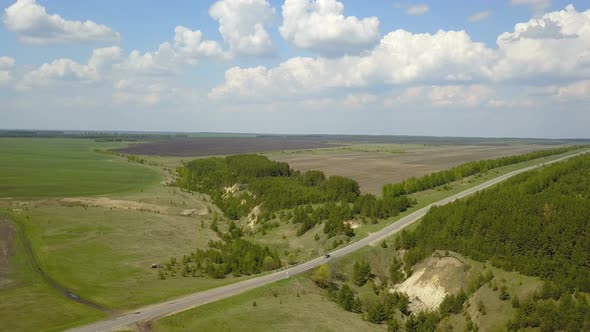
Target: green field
(38, 168)
(29, 304)
(101, 248)
(105, 256)
(291, 305)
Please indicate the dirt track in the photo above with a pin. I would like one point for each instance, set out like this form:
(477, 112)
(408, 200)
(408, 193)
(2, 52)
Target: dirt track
(6, 242)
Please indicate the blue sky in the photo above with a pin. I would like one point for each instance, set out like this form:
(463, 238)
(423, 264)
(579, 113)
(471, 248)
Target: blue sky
(453, 68)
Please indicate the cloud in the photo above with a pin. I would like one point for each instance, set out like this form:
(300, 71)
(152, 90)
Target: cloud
(320, 26)
(60, 70)
(472, 95)
(417, 9)
(577, 91)
(450, 95)
(6, 64)
(401, 57)
(68, 71)
(538, 6)
(188, 47)
(480, 16)
(360, 100)
(33, 25)
(555, 46)
(243, 23)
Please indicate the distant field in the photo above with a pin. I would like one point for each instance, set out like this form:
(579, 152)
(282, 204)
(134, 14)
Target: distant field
(209, 146)
(373, 166)
(225, 144)
(31, 167)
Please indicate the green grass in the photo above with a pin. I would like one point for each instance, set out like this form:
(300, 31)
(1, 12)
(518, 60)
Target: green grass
(105, 256)
(297, 306)
(30, 305)
(38, 168)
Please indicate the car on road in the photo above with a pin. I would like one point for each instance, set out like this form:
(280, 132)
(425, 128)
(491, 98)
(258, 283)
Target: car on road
(327, 256)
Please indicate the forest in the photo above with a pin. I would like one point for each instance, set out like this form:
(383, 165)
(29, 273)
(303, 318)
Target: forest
(416, 184)
(238, 183)
(536, 224)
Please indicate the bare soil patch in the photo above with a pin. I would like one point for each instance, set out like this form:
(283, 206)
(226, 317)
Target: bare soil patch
(7, 234)
(116, 204)
(432, 281)
(372, 170)
(210, 146)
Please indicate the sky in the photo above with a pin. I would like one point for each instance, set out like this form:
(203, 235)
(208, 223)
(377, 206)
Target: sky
(505, 68)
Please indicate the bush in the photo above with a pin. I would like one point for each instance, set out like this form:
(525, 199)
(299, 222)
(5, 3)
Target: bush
(361, 273)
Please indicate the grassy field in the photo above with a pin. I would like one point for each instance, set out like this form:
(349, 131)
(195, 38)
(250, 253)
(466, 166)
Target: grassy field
(105, 256)
(29, 304)
(38, 168)
(292, 305)
(99, 247)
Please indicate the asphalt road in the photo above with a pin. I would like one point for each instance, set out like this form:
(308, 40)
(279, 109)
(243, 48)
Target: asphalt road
(197, 299)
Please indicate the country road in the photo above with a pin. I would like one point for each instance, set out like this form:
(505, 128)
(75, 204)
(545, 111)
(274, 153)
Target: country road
(197, 299)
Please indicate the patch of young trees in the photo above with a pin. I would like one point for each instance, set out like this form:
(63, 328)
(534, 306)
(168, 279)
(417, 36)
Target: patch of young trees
(262, 181)
(236, 256)
(230, 255)
(416, 184)
(567, 312)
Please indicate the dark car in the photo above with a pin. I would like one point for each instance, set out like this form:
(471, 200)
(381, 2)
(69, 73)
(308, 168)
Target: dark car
(327, 255)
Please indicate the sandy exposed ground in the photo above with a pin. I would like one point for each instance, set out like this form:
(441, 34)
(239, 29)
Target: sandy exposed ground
(117, 204)
(133, 205)
(431, 282)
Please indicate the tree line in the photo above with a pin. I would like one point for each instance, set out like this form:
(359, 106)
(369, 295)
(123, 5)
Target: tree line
(416, 184)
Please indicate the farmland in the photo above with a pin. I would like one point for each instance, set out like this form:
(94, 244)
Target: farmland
(36, 168)
(208, 146)
(372, 166)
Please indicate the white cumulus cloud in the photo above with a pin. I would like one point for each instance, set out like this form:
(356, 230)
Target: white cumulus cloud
(188, 47)
(320, 26)
(555, 45)
(31, 22)
(6, 64)
(400, 58)
(243, 24)
(65, 70)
